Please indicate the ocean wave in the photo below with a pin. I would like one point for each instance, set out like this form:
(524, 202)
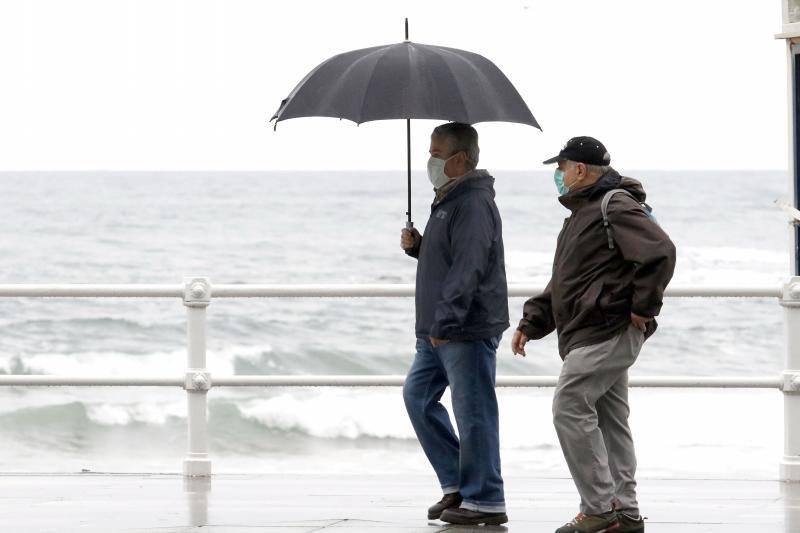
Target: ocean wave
(729, 265)
(678, 432)
(333, 414)
(85, 323)
(83, 414)
(712, 265)
(222, 359)
(337, 414)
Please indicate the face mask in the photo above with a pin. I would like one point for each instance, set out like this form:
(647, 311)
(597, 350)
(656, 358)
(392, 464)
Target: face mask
(558, 175)
(436, 170)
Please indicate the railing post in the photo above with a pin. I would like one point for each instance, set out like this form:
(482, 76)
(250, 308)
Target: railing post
(790, 466)
(196, 298)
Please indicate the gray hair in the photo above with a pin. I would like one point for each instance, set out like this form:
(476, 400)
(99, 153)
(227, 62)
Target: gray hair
(598, 169)
(461, 138)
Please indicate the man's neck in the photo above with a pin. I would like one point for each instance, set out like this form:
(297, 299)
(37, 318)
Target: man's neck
(442, 191)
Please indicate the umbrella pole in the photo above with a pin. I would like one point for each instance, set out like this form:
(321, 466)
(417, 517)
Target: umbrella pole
(409, 224)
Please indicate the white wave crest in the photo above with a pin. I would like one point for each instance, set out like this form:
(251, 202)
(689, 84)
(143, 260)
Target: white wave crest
(122, 414)
(111, 363)
(348, 414)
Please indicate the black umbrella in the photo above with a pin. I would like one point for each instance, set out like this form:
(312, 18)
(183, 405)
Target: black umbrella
(406, 81)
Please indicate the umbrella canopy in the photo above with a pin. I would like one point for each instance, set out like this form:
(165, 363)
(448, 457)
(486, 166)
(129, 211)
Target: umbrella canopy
(407, 81)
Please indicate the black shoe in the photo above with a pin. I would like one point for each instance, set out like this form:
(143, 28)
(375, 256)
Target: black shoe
(449, 500)
(473, 518)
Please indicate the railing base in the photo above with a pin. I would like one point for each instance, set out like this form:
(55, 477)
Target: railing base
(197, 466)
(790, 469)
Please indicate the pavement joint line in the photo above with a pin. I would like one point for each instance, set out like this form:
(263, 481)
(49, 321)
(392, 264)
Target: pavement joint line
(333, 523)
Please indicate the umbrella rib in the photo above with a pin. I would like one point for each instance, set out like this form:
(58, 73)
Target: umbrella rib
(382, 53)
(452, 75)
(479, 73)
(297, 88)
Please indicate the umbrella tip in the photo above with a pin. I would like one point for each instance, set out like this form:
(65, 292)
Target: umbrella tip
(406, 28)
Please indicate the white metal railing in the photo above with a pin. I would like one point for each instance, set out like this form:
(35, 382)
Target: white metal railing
(337, 380)
(324, 291)
(197, 293)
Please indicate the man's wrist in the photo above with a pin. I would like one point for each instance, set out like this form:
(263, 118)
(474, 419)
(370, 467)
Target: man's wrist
(526, 329)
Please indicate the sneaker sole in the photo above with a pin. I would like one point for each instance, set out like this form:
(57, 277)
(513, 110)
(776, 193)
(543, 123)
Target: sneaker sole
(612, 529)
(490, 521)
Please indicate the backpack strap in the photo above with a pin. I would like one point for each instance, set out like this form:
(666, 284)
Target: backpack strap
(604, 208)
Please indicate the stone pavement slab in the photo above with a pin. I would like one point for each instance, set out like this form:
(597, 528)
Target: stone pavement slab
(168, 503)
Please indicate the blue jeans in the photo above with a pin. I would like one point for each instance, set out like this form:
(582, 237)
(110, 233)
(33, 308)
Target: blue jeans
(469, 465)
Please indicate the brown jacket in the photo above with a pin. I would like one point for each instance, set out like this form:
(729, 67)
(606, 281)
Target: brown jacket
(594, 289)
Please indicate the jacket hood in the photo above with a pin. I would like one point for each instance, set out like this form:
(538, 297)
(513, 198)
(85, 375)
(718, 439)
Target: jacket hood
(634, 187)
(610, 180)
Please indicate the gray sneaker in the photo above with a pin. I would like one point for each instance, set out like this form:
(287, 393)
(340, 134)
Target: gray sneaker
(592, 523)
(629, 523)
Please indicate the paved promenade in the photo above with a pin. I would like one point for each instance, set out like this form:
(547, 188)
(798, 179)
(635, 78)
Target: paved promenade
(166, 503)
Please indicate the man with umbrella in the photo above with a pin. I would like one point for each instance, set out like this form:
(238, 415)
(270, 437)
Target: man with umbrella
(461, 313)
(461, 296)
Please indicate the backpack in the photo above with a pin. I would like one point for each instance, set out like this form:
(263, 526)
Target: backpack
(604, 207)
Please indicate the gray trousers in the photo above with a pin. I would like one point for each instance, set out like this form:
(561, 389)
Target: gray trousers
(590, 413)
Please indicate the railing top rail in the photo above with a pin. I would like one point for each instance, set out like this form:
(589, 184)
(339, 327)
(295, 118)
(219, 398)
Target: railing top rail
(329, 290)
(755, 382)
(87, 290)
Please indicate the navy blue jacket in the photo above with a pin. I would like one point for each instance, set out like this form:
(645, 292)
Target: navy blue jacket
(461, 277)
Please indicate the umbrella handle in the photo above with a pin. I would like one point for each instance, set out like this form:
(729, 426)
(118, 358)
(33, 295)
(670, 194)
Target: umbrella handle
(409, 224)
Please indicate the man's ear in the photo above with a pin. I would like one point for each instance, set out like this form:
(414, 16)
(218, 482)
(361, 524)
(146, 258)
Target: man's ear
(582, 174)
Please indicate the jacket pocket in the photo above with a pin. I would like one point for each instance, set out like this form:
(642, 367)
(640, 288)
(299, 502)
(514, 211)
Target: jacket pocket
(587, 311)
(614, 304)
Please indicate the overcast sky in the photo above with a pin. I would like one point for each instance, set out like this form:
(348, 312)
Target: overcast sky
(180, 85)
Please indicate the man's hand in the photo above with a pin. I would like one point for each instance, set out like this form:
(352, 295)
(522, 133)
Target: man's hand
(438, 342)
(518, 343)
(640, 322)
(409, 238)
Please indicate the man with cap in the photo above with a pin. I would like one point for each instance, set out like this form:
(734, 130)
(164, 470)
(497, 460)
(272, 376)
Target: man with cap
(611, 267)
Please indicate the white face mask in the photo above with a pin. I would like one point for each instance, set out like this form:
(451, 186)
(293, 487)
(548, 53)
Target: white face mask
(436, 171)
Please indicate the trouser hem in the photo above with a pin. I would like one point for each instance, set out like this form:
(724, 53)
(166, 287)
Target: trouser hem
(483, 507)
(450, 489)
(596, 510)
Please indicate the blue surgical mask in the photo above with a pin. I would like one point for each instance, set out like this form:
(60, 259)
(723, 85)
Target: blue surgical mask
(558, 175)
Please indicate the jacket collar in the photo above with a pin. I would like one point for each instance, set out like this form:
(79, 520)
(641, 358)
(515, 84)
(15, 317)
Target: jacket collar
(475, 179)
(574, 200)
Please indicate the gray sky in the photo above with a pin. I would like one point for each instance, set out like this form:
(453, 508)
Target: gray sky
(190, 84)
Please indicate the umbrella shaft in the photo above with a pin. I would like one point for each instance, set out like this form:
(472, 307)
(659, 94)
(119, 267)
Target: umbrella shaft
(408, 152)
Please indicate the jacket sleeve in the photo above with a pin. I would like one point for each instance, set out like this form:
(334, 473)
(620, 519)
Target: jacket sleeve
(537, 315)
(642, 241)
(472, 237)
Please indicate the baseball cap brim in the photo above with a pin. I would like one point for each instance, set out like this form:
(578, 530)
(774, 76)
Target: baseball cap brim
(551, 160)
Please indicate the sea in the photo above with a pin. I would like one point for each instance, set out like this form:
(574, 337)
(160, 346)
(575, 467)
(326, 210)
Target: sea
(344, 227)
